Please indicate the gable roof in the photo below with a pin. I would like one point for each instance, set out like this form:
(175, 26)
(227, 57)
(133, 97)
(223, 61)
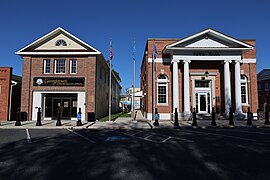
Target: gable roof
(263, 75)
(218, 41)
(30, 49)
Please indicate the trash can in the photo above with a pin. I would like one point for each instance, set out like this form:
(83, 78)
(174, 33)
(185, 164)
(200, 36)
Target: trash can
(91, 117)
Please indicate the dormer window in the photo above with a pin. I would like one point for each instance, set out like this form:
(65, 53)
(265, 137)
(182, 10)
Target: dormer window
(61, 42)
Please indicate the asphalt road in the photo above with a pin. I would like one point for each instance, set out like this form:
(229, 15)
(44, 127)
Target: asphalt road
(212, 153)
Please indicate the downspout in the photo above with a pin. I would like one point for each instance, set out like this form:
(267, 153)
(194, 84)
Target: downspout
(13, 83)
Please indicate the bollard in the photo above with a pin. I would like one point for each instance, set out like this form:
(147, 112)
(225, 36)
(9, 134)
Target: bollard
(266, 122)
(39, 117)
(194, 120)
(249, 117)
(18, 121)
(176, 123)
(58, 122)
(156, 123)
(79, 117)
(231, 117)
(213, 122)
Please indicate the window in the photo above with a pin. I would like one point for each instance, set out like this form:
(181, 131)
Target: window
(162, 89)
(60, 66)
(60, 42)
(73, 66)
(202, 84)
(244, 90)
(47, 66)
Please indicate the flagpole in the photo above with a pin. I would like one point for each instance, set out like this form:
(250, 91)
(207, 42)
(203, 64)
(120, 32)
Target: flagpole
(110, 82)
(110, 91)
(153, 87)
(134, 73)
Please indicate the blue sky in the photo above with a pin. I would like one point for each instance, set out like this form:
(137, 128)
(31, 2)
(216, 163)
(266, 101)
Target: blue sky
(95, 22)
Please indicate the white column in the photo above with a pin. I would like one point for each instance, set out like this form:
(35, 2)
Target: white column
(175, 86)
(186, 88)
(227, 86)
(238, 100)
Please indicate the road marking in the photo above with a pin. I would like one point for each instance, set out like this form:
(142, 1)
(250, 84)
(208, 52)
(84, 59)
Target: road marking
(28, 138)
(85, 138)
(222, 135)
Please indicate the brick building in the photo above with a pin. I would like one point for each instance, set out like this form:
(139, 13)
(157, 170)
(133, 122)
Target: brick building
(263, 87)
(204, 70)
(61, 72)
(10, 94)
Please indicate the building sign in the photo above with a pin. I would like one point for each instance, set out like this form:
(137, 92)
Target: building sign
(58, 81)
(206, 54)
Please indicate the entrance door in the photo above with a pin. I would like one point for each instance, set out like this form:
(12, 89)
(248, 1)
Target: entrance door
(65, 107)
(66, 113)
(202, 103)
(56, 104)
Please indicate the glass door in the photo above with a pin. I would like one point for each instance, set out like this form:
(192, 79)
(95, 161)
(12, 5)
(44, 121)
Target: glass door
(55, 106)
(66, 112)
(202, 102)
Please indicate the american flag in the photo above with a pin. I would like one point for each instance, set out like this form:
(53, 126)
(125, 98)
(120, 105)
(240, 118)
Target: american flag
(111, 51)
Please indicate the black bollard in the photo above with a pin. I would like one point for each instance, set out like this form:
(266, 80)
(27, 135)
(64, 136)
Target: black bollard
(249, 117)
(39, 117)
(176, 123)
(156, 123)
(266, 122)
(58, 122)
(213, 122)
(18, 121)
(79, 117)
(231, 117)
(194, 119)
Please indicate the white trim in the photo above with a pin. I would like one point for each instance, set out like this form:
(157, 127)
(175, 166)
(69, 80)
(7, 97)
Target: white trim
(55, 66)
(162, 116)
(215, 33)
(249, 61)
(44, 66)
(58, 53)
(70, 66)
(202, 73)
(160, 60)
(37, 102)
(207, 58)
(59, 29)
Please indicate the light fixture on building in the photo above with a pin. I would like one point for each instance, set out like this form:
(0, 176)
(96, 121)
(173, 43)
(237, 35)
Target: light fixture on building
(206, 74)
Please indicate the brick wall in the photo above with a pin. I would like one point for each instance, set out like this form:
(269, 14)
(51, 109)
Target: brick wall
(5, 83)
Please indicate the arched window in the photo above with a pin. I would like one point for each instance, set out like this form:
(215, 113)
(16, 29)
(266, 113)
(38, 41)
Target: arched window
(162, 89)
(244, 89)
(60, 42)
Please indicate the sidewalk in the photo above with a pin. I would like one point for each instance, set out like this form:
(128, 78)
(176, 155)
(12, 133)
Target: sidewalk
(128, 123)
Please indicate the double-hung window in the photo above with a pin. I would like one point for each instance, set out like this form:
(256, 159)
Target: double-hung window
(47, 66)
(244, 89)
(73, 66)
(162, 90)
(60, 66)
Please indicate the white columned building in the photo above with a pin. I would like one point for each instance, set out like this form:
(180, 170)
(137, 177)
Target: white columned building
(203, 71)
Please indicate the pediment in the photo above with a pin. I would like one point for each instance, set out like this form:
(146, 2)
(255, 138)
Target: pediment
(210, 39)
(49, 44)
